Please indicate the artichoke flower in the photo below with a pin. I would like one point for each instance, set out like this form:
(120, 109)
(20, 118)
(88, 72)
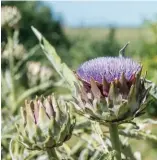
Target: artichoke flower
(46, 124)
(18, 52)
(112, 89)
(10, 16)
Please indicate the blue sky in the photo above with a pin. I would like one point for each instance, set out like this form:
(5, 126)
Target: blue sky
(97, 13)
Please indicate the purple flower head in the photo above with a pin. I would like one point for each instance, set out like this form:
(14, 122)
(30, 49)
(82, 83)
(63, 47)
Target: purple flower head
(111, 89)
(110, 68)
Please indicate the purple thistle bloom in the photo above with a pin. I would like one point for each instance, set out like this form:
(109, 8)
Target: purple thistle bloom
(110, 68)
(111, 89)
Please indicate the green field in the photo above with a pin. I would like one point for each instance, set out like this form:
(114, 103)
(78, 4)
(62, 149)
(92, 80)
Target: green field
(123, 35)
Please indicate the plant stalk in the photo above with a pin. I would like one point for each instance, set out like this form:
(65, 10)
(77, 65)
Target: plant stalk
(52, 155)
(113, 128)
(11, 66)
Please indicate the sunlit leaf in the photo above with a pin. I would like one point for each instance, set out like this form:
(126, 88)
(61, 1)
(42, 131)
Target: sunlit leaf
(63, 70)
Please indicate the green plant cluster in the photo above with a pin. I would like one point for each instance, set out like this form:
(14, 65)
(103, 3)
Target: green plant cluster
(26, 72)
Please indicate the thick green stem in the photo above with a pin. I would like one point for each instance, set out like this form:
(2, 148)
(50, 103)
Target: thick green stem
(52, 154)
(113, 128)
(11, 66)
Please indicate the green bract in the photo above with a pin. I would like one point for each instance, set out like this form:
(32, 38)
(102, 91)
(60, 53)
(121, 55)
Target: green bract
(46, 123)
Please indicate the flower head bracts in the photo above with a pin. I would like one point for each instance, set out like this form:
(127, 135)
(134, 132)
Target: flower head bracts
(112, 89)
(46, 123)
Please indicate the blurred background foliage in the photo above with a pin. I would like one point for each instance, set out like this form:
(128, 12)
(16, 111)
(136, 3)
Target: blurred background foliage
(39, 16)
(27, 73)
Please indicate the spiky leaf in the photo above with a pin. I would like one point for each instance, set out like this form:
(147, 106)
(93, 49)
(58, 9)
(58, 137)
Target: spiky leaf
(50, 52)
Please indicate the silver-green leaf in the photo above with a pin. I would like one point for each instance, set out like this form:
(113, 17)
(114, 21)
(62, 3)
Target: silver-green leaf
(63, 70)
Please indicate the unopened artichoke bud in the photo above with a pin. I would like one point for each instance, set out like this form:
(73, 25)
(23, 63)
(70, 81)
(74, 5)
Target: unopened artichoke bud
(18, 52)
(33, 68)
(10, 16)
(112, 90)
(46, 73)
(38, 73)
(46, 124)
